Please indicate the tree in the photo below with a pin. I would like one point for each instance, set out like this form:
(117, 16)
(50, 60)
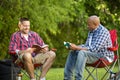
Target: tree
(56, 21)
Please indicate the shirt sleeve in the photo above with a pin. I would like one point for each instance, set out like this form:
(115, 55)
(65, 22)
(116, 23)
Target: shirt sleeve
(39, 40)
(99, 42)
(13, 45)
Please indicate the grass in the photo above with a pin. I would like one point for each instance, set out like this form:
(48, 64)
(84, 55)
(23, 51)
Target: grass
(58, 73)
(55, 74)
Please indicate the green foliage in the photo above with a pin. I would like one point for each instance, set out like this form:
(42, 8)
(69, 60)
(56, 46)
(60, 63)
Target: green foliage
(56, 21)
(108, 11)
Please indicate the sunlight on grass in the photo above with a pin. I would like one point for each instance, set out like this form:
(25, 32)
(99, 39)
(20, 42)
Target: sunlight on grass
(55, 74)
(58, 74)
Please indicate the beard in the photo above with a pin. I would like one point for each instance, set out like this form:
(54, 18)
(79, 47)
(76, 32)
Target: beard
(25, 31)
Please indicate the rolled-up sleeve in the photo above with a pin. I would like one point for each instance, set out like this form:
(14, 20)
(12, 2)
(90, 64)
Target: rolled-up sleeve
(12, 45)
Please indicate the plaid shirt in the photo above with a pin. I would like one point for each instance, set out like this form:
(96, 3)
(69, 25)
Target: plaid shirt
(18, 42)
(100, 42)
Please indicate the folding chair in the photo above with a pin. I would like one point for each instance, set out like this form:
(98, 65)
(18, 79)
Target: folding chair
(22, 71)
(102, 63)
(21, 67)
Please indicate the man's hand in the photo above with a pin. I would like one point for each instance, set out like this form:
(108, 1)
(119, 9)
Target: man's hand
(73, 46)
(44, 50)
(35, 50)
(40, 49)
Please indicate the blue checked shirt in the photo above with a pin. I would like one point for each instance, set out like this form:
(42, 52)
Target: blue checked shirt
(98, 41)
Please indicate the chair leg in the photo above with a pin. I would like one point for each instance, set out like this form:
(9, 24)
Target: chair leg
(108, 70)
(12, 65)
(96, 74)
(90, 74)
(36, 72)
(118, 61)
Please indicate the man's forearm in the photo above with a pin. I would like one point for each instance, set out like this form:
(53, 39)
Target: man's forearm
(29, 50)
(81, 48)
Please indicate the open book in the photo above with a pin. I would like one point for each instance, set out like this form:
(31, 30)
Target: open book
(39, 47)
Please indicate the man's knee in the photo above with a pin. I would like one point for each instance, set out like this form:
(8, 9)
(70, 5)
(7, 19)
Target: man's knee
(27, 56)
(82, 53)
(52, 54)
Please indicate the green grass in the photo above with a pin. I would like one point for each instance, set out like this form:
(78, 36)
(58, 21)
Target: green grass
(58, 73)
(55, 74)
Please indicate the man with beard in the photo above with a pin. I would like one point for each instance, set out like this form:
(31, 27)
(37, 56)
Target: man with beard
(31, 49)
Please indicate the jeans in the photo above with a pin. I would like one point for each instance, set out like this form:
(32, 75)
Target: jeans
(76, 62)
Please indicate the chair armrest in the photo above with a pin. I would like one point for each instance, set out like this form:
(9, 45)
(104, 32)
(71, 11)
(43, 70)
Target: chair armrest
(115, 48)
(53, 49)
(12, 52)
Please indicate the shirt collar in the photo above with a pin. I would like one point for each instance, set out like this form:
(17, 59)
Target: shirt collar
(96, 29)
(29, 34)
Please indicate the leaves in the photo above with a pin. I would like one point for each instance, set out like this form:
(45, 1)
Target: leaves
(56, 21)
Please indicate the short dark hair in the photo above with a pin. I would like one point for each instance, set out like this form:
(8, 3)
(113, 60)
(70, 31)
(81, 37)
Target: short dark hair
(23, 19)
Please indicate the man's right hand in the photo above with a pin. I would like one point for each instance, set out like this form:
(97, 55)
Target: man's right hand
(73, 46)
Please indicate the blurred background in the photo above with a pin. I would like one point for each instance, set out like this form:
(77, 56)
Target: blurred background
(56, 21)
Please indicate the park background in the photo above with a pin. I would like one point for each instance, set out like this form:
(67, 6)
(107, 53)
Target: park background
(56, 21)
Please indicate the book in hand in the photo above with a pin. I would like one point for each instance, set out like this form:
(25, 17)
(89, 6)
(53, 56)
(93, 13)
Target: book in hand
(67, 44)
(38, 47)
